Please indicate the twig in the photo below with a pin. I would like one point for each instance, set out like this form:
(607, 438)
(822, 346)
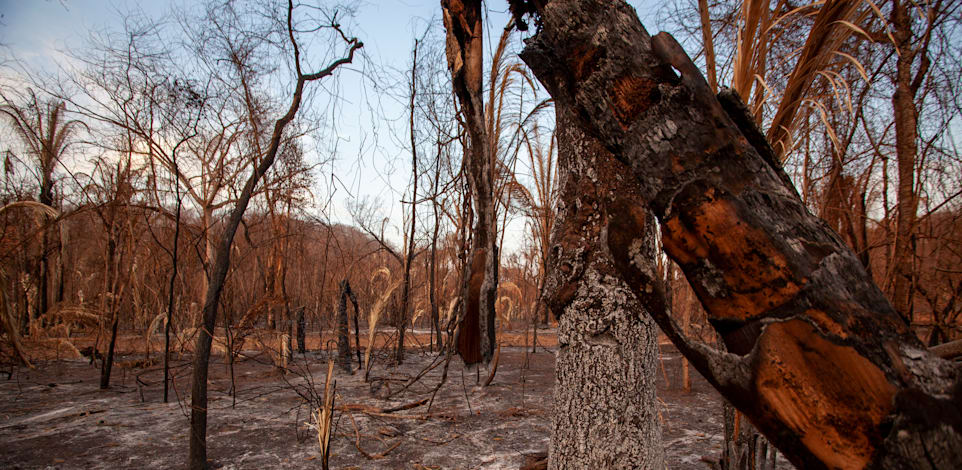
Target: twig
(434, 364)
(440, 443)
(357, 443)
(370, 409)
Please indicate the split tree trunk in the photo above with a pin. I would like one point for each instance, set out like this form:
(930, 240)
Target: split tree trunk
(606, 414)
(818, 359)
(465, 54)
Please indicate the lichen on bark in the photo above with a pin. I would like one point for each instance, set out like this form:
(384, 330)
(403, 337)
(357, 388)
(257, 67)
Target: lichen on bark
(605, 392)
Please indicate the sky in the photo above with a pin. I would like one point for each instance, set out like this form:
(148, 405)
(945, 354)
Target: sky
(39, 31)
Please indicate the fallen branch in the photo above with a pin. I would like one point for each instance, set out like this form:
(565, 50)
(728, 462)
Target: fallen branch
(357, 443)
(440, 443)
(368, 409)
(949, 350)
(408, 406)
(434, 364)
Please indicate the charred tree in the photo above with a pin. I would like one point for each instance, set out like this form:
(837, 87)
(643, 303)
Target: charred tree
(343, 333)
(301, 331)
(409, 249)
(817, 358)
(197, 454)
(465, 54)
(605, 388)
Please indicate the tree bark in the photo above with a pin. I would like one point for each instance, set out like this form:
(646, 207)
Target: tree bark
(817, 358)
(605, 391)
(906, 141)
(301, 332)
(170, 286)
(343, 334)
(409, 249)
(465, 54)
(197, 453)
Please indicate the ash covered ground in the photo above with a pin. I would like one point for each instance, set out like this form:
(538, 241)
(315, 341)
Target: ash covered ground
(57, 417)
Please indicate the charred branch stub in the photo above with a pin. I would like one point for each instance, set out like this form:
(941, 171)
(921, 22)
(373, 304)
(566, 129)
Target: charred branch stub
(824, 366)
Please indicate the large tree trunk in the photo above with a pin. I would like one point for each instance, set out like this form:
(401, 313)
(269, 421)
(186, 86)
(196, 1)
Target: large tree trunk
(817, 358)
(606, 414)
(465, 53)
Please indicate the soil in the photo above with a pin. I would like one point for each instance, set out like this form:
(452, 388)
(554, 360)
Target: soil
(55, 416)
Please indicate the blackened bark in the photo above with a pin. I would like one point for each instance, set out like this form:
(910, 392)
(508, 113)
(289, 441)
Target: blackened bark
(108, 364)
(433, 267)
(301, 332)
(906, 142)
(465, 53)
(343, 334)
(170, 287)
(409, 250)
(818, 359)
(111, 282)
(197, 453)
(46, 198)
(605, 391)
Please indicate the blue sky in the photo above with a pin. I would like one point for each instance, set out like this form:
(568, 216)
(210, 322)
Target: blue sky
(37, 31)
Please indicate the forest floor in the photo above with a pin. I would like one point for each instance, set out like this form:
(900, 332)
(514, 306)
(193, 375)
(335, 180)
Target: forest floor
(56, 416)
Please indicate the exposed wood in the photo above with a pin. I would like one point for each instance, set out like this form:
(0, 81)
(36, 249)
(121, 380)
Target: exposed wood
(948, 350)
(605, 415)
(465, 54)
(818, 359)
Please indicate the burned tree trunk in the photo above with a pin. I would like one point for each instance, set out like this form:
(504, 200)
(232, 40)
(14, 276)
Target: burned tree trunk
(343, 334)
(301, 331)
(197, 452)
(817, 358)
(605, 390)
(465, 53)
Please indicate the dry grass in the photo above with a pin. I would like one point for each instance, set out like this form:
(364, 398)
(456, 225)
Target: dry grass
(374, 316)
(324, 416)
(815, 81)
(43, 209)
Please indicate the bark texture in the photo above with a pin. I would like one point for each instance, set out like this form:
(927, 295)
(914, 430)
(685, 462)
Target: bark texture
(605, 392)
(301, 331)
(465, 54)
(906, 141)
(817, 358)
(343, 333)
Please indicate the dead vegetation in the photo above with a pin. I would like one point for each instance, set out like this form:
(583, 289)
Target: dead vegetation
(270, 423)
